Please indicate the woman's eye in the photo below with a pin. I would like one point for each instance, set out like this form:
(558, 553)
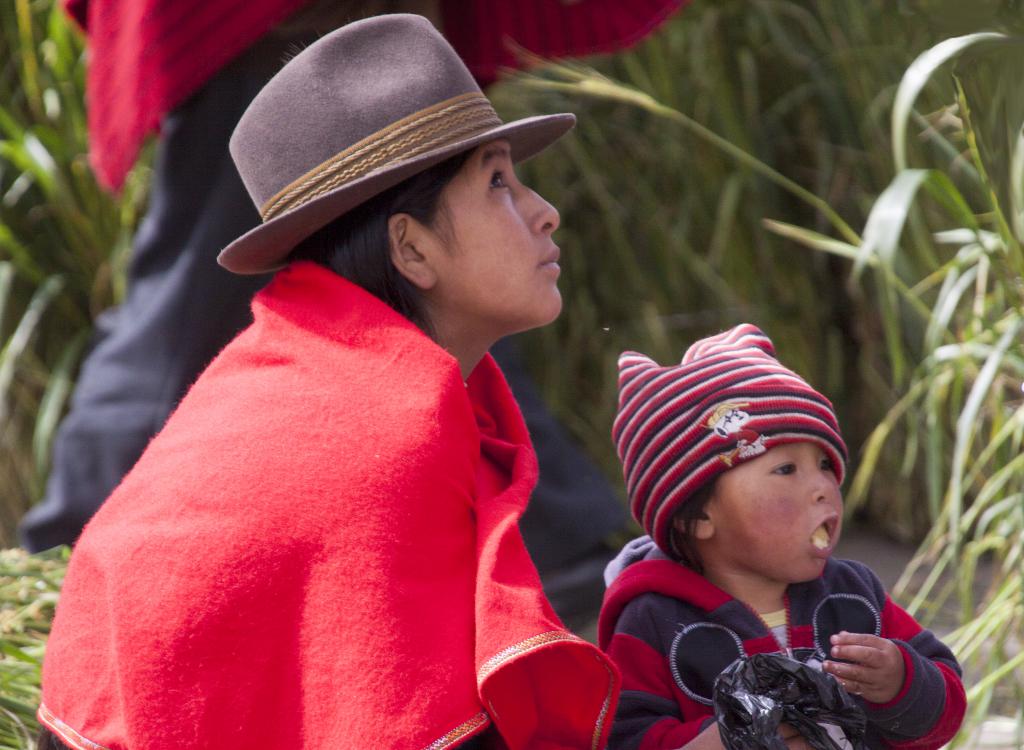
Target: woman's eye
(784, 469)
(498, 180)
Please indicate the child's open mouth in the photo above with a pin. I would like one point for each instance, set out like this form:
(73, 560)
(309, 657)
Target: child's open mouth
(821, 538)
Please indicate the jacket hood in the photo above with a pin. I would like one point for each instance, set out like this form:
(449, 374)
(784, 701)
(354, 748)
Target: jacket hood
(642, 568)
(636, 550)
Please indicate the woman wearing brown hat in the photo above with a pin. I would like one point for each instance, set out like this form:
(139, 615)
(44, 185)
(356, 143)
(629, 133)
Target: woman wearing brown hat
(320, 549)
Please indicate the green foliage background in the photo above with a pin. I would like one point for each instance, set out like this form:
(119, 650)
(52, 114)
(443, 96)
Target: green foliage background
(63, 241)
(744, 164)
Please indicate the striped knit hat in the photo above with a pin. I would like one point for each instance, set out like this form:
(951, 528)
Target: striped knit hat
(729, 400)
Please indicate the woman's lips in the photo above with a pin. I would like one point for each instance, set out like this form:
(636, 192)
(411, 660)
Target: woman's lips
(551, 265)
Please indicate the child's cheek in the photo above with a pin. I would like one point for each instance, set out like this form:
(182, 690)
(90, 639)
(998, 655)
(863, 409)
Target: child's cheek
(779, 512)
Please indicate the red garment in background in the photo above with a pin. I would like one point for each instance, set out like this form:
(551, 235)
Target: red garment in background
(321, 550)
(480, 30)
(148, 56)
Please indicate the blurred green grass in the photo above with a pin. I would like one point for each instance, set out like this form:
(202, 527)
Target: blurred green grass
(29, 588)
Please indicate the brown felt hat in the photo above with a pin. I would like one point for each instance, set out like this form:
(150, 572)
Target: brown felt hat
(355, 113)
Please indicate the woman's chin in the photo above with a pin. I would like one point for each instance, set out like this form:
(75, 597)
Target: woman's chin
(540, 315)
(554, 309)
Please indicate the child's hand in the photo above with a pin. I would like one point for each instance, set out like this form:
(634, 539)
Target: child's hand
(876, 670)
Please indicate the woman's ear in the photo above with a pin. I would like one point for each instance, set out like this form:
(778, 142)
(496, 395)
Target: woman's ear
(410, 246)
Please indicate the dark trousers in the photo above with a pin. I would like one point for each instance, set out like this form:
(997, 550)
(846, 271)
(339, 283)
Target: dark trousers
(181, 308)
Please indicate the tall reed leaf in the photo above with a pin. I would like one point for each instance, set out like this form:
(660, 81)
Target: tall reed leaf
(967, 422)
(917, 77)
(18, 342)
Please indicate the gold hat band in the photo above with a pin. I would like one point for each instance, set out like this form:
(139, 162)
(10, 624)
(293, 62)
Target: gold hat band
(447, 122)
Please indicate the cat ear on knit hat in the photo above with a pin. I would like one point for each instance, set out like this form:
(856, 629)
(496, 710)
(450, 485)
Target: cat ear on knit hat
(729, 400)
(742, 336)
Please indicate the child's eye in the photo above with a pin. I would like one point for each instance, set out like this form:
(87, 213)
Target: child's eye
(498, 180)
(784, 469)
(826, 463)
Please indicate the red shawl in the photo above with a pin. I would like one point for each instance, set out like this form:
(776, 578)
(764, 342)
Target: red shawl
(320, 550)
(148, 56)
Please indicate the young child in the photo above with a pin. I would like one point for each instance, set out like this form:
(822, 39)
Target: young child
(733, 465)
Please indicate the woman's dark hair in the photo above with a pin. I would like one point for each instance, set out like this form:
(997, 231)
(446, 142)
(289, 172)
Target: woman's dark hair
(691, 512)
(356, 246)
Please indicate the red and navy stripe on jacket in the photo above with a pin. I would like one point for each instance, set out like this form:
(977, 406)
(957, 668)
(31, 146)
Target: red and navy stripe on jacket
(671, 632)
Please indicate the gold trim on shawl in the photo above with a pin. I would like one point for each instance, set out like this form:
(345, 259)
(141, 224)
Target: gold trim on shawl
(602, 715)
(447, 122)
(517, 649)
(536, 642)
(459, 732)
(76, 740)
(67, 735)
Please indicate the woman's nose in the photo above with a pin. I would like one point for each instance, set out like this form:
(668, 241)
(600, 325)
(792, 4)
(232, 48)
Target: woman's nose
(546, 218)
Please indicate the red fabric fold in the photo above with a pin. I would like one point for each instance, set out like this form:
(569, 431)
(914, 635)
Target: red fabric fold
(321, 550)
(487, 32)
(147, 56)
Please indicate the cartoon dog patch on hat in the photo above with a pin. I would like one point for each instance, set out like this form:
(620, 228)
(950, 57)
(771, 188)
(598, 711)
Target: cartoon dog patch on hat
(728, 420)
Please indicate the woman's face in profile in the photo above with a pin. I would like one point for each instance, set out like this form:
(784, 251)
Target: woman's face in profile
(500, 272)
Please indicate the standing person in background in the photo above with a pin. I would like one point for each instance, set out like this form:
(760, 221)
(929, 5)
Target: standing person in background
(320, 548)
(191, 68)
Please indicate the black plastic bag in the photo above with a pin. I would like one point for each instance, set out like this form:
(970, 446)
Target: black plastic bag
(754, 695)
